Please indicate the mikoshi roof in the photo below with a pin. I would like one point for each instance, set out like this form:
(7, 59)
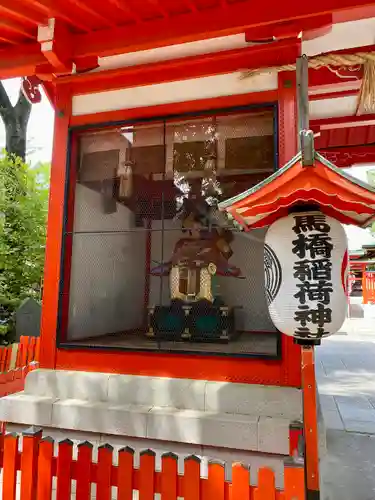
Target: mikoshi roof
(337, 193)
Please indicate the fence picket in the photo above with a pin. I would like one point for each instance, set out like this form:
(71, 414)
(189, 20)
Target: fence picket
(37, 349)
(125, 474)
(29, 463)
(240, 489)
(147, 475)
(15, 363)
(7, 358)
(45, 469)
(10, 466)
(266, 485)
(294, 483)
(169, 476)
(83, 481)
(64, 470)
(19, 356)
(192, 478)
(31, 350)
(104, 472)
(214, 486)
(24, 343)
(2, 359)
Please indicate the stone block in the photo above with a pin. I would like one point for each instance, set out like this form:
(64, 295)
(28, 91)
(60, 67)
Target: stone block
(273, 435)
(246, 399)
(231, 431)
(189, 426)
(66, 384)
(157, 391)
(100, 417)
(41, 383)
(171, 424)
(26, 409)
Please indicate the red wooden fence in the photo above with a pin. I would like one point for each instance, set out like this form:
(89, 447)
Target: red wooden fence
(39, 466)
(368, 287)
(12, 378)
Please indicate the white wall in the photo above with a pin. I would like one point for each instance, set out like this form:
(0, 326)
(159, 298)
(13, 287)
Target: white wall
(171, 92)
(108, 270)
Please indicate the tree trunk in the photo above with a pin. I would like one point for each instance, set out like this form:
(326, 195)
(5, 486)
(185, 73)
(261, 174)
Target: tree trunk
(15, 120)
(15, 138)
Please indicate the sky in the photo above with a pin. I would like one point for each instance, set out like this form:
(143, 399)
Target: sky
(40, 135)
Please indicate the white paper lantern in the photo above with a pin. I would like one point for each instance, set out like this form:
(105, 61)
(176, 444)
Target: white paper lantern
(306, 271)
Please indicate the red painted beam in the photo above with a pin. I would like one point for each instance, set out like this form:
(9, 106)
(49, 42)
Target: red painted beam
(23, 13)
(342, 122)
(334, 94)
(276, 54)
(56, 46)
(234, 18)
(125, 8)
(93, 11)
(20, 60)
(367, 149)
(323, 77)
(18, 28)
(8, 40)
(55, 8)
(198, 25)
(345, 157)
(309, 27)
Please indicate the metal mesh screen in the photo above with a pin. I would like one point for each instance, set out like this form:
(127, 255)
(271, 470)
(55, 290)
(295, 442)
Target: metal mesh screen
(154, 264)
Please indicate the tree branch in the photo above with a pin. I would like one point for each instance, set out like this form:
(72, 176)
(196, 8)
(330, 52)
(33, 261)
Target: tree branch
(22, 108)
(6, 109)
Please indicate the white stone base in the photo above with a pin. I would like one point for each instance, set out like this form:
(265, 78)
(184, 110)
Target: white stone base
(251, 418)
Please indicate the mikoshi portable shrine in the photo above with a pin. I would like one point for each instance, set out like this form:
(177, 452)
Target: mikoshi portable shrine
(194, 257)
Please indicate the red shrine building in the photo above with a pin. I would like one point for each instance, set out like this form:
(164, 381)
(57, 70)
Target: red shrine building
(175, 145)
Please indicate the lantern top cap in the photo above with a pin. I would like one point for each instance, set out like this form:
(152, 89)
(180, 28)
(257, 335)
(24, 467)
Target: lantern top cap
(332, 190)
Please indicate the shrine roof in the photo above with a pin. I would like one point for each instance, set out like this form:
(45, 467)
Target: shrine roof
(92, 28)
(337, 193)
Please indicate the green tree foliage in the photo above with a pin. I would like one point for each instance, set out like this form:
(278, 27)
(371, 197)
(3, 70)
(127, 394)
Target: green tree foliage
(23, 213)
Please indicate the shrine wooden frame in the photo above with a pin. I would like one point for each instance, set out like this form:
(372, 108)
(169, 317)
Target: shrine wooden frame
(284, 371)
(71, 170)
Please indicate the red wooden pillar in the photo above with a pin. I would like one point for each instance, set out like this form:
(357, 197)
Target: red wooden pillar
(310, 421)
(288, 119)
(55, 228)
(287, 131)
